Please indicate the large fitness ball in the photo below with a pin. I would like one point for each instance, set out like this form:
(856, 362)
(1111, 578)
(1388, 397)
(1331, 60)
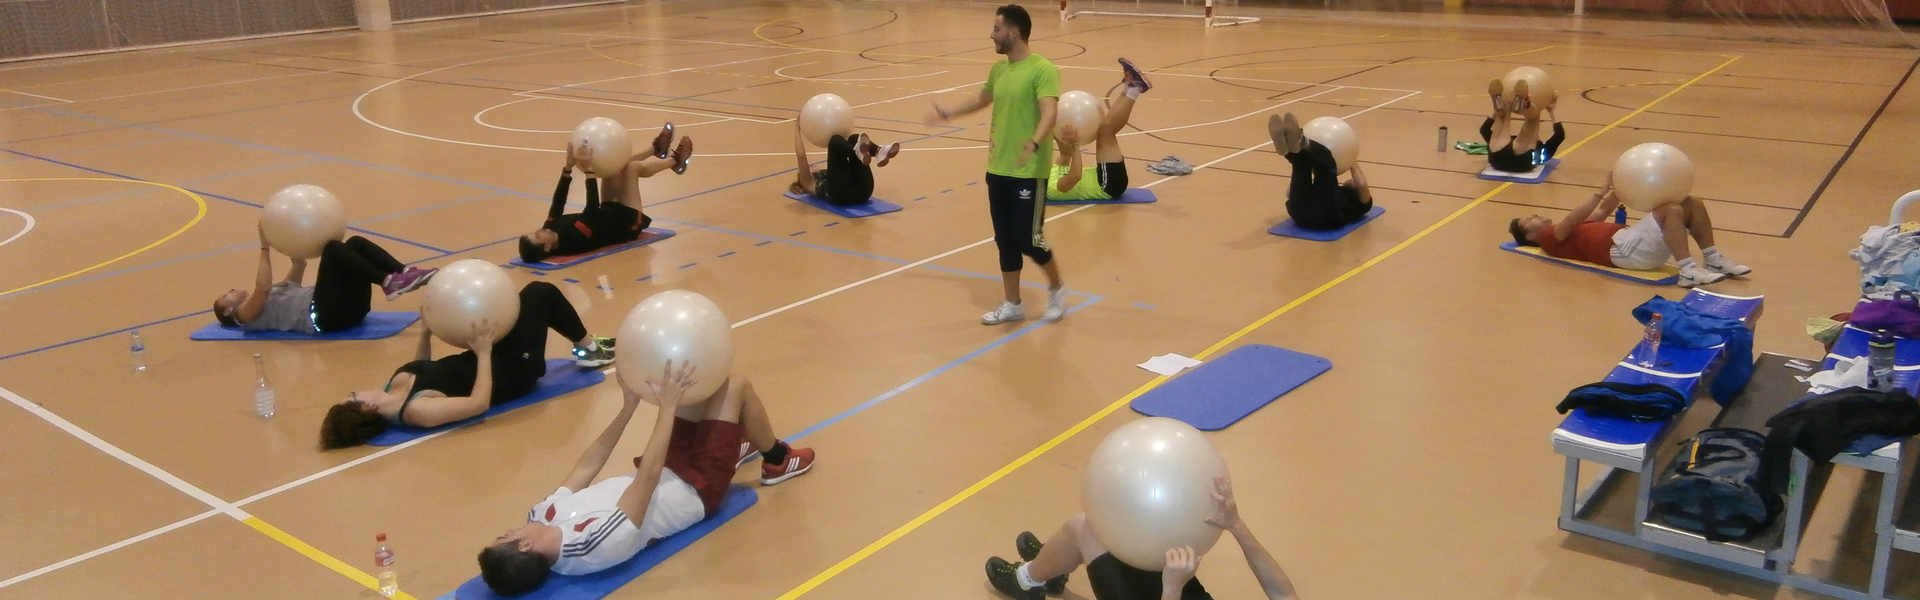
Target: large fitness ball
(301, 219)
(1077, 118)
(1652, 174)
(680, 326)
(465, 292)
(609, 142)
(1149, 489)
(1539, 85)
(825, 116)
(1338, 137)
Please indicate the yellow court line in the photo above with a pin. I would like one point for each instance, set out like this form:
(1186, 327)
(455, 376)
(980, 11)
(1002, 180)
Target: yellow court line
(200, 213)
(1002, 472)
(318, 556)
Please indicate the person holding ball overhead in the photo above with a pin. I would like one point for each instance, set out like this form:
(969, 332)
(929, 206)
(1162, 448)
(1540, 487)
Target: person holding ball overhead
(617, 220)
(1024, 90)
(847, 177)
(338, 299)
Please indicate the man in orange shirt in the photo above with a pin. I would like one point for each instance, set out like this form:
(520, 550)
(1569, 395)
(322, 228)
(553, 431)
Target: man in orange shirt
(1584, 235)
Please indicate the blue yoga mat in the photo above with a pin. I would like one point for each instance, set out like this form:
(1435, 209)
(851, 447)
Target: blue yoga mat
(598, 585)
(1667, 275)
(873, 207)
(1226, 389)
(647, 236)
(1538, 174)
(1288, 229)
(378, 325)
(1131, 196)
(562, 377)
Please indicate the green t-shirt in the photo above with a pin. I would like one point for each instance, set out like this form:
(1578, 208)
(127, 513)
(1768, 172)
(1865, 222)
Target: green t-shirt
(1087, 189)
(1016, 89)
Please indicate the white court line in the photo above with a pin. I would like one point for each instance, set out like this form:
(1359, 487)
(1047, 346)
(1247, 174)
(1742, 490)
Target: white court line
(108, 548)
(658, 109)
(483, 123)
(38, 96)
(782, 72)
(23, 230)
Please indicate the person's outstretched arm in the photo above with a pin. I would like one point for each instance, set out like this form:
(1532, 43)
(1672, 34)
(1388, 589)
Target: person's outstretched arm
(668, 392)
(942, 114)
(804, 173)
(1585, 211)
(559, 206)
(1272, 579)
(256, 302)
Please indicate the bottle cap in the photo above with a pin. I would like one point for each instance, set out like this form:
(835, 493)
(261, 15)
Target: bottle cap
(380, 538)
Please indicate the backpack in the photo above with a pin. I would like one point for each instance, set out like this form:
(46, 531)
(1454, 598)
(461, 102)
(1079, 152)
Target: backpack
(1712, 487)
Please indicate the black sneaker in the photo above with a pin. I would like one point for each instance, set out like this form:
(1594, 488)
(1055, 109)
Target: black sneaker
(600, 355)
(1028, 545)
(1005, 577)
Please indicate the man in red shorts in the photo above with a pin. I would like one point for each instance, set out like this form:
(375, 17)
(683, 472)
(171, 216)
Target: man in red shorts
(582, 529)
(1585, 235)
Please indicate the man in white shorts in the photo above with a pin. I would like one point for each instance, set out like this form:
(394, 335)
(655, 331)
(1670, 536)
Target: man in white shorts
(1584, 235)
(582, 529)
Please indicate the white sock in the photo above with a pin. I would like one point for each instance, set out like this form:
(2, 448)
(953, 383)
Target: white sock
(1026, 581)
(1685, 263)
(1711, 254)
(1133, 92)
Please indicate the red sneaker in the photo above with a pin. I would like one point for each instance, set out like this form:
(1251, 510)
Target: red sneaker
(799, 461)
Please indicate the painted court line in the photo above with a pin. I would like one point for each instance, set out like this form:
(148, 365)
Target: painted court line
(1096, 417)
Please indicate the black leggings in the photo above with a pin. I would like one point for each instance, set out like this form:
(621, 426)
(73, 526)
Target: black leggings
(848, 181)
(1505, 159)
(1017, 209)
(1115, 580)
(341, 298)
(520, 357)
(1315, 198)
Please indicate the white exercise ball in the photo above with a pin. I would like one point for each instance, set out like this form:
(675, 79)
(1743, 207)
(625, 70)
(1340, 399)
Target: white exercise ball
(1149, 489)
(1338, 137)
(1077, 118)
(608, 140)
(1539, 85)
(1652, 174)
(464, 293)
(825, 116)
(679, 326)
(300, 220)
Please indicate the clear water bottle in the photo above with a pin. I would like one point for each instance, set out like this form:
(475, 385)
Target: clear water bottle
(383, 566)
(1880, 361)
(1650, 343)
(262, 393)
(139, 352)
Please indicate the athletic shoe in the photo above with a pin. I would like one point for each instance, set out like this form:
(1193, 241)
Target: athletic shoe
(1056, 304)
(599, 355)
(1727, 267)
(1498, 91)
(1691, 276)
(1133, 77)
(406, 280)
(746, 452)
(1521, 99)
(682, 155)
(798, 462)
(663, 143)
(1005, 576)
(1296, 137)
(887, 152)
(1028, 545)
(1007, 312)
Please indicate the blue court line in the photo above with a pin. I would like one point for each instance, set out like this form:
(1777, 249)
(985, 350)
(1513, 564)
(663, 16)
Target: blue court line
(95, 276)
(91, 199)
(1023, 330)
(428, 208)
(101, 335)
(727, 254)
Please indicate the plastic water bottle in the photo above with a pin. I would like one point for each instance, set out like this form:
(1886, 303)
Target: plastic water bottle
(1443, 138)
(262, 393)
(383, 567)
(1880, 361)
(139, 352)
(1650, 342)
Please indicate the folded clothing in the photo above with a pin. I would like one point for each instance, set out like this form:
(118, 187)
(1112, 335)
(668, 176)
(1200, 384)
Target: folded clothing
(1632, 401)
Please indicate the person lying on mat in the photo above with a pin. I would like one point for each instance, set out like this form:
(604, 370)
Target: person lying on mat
(1075, 545)
(618, 220)
(680, 480)
(502, 366)
(1519, 152)
(338, 299)
(1108, 179)
(1316, 198)
(1584, 235)
(847, 177)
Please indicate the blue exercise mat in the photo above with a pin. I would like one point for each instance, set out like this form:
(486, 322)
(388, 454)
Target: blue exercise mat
(647, 236)
(599, 585)
(377, 325)
(1288, 229)
(1538, 174)
(1226, 389)
(873, 207)
(562, 377)
(1131, 196)
(1667, 275)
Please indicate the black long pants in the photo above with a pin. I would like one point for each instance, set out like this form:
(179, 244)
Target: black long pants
(341, 296)
(1017, 208)
(849, 181)
(1315, 198)
(1505, 159)
(519, 358)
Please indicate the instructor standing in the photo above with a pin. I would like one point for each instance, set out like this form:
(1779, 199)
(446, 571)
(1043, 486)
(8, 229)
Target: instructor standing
(1023, 90)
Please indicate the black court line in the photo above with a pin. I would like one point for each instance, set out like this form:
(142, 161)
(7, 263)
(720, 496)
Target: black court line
(1817, 192)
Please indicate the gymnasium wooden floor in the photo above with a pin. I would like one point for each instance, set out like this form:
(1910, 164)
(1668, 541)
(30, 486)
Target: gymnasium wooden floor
(1418, 467)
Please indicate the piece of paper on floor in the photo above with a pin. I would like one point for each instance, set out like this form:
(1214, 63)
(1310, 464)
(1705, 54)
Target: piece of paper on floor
(1168, 364)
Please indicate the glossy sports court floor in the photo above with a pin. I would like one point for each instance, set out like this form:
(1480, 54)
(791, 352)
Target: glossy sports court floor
(1418, 467)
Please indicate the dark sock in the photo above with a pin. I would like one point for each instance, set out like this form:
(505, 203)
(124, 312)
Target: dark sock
(775, 455)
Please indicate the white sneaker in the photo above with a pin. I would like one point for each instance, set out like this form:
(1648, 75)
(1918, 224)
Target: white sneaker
(1008, 312)
(1691, 276)
(1726, 266)
(1056, 305)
